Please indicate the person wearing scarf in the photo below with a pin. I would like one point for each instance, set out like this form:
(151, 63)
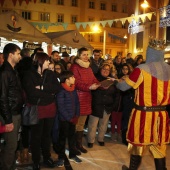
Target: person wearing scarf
(85, 82)
(68, 113)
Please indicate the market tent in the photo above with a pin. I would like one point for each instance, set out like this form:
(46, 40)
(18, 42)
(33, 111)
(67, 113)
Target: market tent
(13, 26)
(70, 38)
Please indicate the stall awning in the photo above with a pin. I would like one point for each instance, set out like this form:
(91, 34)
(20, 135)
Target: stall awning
(70, 38)
(13, 26)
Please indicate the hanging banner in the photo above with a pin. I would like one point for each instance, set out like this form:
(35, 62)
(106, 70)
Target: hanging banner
(2, 2)
(46, 25)
(116, 37)
(14, 2)
(20, 2)
(27, 1)
(110, 22)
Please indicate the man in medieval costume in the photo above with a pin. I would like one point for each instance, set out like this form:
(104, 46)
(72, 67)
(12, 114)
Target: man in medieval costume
(148, 124)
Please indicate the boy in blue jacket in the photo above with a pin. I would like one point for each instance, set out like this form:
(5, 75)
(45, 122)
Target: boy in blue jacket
(68, 110)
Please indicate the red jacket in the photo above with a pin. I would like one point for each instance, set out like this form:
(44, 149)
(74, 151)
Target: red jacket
(84, 79)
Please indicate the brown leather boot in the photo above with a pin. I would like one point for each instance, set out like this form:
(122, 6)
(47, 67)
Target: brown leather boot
(25, 155)
(79, 146)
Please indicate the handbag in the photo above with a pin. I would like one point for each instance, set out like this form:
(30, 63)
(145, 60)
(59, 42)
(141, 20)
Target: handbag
(30, 112)
(30, 115)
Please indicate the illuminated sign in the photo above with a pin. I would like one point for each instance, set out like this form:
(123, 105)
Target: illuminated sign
(134, 27)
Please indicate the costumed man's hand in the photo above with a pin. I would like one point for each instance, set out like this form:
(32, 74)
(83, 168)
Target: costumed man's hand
(124, 77)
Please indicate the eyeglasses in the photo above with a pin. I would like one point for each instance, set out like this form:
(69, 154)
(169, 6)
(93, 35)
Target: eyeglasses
(57, 68)
(105, 69)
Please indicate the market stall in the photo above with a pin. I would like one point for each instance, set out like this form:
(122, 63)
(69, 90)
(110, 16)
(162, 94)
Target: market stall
(15, 29)
(69, 38)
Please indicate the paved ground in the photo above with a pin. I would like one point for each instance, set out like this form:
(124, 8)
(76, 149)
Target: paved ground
(109, 157)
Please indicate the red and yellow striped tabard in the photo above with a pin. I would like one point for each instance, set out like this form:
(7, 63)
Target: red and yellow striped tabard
(148, 127)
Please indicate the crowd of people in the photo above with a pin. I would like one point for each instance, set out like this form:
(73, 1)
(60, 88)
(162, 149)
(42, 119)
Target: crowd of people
(69, 95)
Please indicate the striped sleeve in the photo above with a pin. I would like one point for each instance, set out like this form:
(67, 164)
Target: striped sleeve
(135, 78)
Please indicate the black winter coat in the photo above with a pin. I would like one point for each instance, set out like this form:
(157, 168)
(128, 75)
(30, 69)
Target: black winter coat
(104, 99)
(11, 100)
(51, 86)
(96, 65)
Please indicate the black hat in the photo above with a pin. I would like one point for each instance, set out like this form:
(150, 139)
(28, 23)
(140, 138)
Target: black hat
(65, 54)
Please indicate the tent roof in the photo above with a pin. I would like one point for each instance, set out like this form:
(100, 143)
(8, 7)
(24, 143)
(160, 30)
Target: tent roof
(70, 38)
(13, 26)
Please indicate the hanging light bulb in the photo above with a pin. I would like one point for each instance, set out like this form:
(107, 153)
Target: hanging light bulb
(145, 4)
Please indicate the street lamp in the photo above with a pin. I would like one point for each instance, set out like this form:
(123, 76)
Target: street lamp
(96, 29)
(145, 5)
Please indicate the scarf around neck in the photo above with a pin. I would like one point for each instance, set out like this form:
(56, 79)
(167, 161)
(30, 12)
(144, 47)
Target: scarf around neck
(68, 88)
(82, 63)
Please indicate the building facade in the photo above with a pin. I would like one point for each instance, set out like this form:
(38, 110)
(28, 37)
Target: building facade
(137, 43)
(69, 12)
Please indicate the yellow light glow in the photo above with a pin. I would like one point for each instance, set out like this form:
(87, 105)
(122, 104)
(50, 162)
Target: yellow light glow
(125, 37)
(145, 4)
(96, 28)
(135, 51)
(164, 13)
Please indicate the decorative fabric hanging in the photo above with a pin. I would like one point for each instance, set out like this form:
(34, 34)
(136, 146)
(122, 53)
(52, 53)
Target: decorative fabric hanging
(27, 2)
(14, 2)
(20, 2)
(2, 2)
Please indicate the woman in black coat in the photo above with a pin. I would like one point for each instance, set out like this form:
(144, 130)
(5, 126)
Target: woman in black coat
(103, 101)
(41, 84)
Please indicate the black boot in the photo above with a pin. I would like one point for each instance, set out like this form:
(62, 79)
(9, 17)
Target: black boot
(79, 136)
(160, 163)
(56, 147)
(76, 151)
(135, 161)
(36, 166)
